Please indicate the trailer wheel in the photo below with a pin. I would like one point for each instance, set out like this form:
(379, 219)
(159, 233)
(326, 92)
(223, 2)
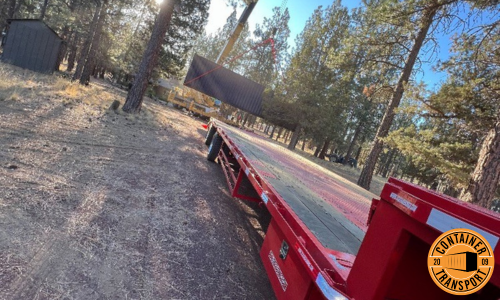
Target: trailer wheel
(215, 145)
(210, 134)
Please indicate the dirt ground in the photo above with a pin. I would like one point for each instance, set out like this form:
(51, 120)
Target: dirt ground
(100, 205)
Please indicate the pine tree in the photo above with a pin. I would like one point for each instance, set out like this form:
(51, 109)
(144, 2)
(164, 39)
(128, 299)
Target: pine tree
(426, 13)
(307, 86)
(135, 96)
(185, 27)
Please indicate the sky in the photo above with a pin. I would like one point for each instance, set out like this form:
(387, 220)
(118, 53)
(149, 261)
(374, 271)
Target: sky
(301, 10)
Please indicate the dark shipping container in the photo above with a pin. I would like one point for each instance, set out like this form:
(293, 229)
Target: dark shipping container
(225, 85)
(464, 261)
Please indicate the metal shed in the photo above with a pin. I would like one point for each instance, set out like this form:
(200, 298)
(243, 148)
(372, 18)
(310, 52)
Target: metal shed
(31, 44)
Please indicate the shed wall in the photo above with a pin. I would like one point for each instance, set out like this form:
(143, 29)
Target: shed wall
(31, 46)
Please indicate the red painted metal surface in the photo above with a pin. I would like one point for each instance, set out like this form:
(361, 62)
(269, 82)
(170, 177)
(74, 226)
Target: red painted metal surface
(391, 262)
(327, 270)
(234, 182)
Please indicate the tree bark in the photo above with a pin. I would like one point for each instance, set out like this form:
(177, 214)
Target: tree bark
(66, 35)
(365, 178)
(295, 137)
(135, 95)
(278, 136)
(86, 45)
(12, 9)
(44, 9)
(72, 52)
(358, 154)
(388, 163)
(316, 152)
(272, 132)
(287, 135)
(353, 141)
(89, 65)
(245, 119)
(485, 178)
(303, 144)
(395, 169)
(324, 149)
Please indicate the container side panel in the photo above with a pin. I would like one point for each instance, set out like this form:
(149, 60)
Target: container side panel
(223, 84)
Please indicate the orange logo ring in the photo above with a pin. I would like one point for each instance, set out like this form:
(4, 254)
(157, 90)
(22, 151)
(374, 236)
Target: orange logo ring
(460, 261)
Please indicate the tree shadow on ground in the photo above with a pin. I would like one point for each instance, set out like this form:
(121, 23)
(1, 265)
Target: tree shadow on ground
(112, 206)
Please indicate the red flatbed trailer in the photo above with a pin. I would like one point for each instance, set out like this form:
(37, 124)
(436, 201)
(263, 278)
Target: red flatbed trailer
(328, 240)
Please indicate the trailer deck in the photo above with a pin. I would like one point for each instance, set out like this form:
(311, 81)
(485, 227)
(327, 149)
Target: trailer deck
(327, 240)
(322, 200)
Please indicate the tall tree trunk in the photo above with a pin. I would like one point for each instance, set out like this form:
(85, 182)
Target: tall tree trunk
(381, 163)
(12, 8)
(358, 154)
(89, 65)
(485, 178)
(245, 119)
(365, 178)
(316, 152)
(354, 140)
(44, 9)
(395, 169)
(272, 132)
(325, 147)
(287, 135)
(135, 95)
(86, 45)
(66, 36)
(295, 137)
(303, 144)
(102, 72)
(73, 49)
(388, 163)
(136, 30)
(278, 136)
(254, 121)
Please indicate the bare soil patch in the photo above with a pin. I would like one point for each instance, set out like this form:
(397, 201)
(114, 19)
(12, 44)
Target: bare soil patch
(99, 205)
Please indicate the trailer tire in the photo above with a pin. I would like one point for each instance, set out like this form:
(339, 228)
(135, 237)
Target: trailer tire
(210, 134)
(215, 145)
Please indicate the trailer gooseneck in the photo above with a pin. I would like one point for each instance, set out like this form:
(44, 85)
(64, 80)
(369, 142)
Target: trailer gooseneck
(328, 240)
